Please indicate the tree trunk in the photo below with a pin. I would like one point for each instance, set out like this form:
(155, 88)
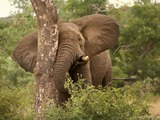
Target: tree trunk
(45, 91)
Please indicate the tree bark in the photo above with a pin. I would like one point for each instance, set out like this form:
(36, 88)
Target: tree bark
(45, 91)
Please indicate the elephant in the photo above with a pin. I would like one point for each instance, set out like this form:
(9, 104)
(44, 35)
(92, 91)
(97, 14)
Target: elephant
(83, 50)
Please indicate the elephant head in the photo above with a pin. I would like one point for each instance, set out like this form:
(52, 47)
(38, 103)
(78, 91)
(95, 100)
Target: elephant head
(70, 54)
(83, 37)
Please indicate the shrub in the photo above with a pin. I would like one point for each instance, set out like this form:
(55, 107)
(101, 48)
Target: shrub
(16, 103)
(156, 85)
(100, 103)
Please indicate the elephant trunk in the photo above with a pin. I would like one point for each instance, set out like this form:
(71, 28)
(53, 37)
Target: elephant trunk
(65, 59)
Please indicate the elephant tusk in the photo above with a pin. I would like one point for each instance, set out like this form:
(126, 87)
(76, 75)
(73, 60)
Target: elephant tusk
(85, 58)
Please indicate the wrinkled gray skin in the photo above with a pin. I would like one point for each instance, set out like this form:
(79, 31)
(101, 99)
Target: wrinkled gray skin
(89, 36)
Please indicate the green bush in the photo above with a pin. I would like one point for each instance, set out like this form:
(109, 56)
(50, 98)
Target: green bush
(86, 103)
(16, 103)
(155, 83)
(100, 103)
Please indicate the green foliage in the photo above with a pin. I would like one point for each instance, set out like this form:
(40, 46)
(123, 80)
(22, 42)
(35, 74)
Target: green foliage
(77, 8)
(23, 6)
(12, 29)
(101, 103)
(137, 52)
(16, 103)
(143, 2)
(16, 94)
(12, 74)
(155, 83)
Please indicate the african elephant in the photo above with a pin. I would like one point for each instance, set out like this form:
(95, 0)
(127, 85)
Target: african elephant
(83, 49)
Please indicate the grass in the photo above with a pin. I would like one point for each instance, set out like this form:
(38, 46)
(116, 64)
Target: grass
(155, 106)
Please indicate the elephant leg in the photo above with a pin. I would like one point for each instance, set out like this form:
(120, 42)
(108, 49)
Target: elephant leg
(62, 98)
(101, 69)
(107, 81)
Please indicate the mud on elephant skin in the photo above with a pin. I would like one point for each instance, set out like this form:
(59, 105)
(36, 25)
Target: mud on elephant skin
(83, 48)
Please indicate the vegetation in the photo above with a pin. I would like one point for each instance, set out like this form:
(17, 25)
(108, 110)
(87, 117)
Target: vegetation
(137, 55)
(17, 103)
(101, 103)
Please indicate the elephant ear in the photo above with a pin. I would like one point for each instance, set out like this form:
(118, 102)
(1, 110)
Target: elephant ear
(25, 52)
(100, 32)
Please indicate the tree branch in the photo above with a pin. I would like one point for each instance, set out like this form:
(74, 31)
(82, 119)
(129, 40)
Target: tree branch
(123, 46)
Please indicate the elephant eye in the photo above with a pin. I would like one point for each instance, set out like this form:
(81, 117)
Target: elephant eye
(79, 38)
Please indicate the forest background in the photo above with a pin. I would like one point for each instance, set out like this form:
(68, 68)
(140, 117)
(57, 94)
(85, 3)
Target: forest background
(136, 55)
